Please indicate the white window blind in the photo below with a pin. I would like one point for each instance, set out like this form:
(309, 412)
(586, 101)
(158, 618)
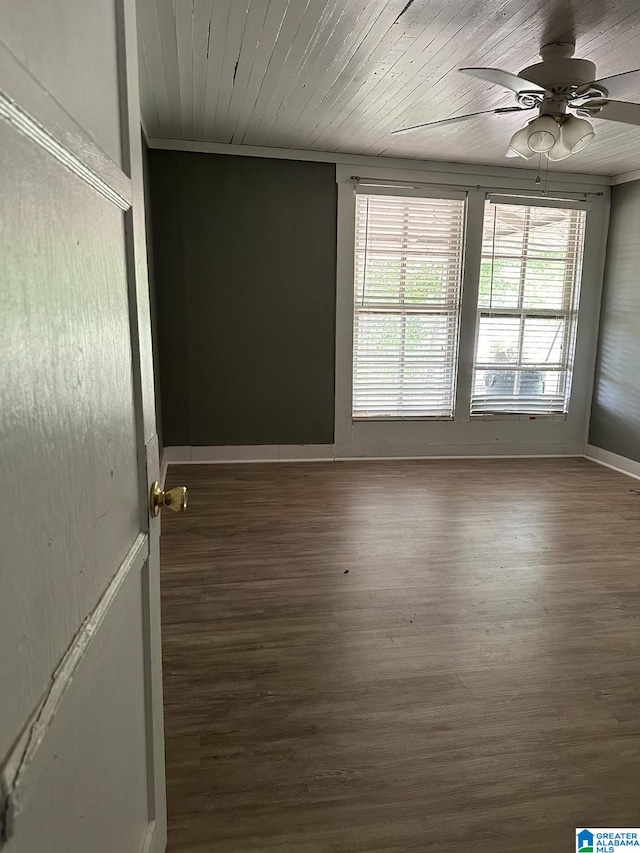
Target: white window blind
(527, 308)
(408, 260)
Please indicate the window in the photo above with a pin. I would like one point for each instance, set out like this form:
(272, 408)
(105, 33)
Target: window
(527, 308)
(408, 261)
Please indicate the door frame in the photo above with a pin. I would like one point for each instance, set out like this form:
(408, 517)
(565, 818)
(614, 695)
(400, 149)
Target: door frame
(147, 437)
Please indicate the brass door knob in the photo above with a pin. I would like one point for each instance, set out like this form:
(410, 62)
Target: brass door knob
(175, 499)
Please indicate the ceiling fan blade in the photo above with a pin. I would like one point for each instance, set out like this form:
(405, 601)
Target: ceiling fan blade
(619, 85)
(498, 111)
(503, 78)
(622, 111)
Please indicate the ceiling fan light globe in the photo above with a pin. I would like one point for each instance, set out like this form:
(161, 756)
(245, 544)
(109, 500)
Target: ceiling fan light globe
(519, 145)
(542, 134)
(559, 151)
(577, 133)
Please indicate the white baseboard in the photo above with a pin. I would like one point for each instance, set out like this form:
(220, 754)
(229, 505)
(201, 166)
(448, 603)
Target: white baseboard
(612, 460)
(311, 453)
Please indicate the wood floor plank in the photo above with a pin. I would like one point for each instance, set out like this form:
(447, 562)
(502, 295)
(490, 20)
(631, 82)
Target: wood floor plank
(401, 656)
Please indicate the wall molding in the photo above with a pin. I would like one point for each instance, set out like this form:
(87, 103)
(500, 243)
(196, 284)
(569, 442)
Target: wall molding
(435, 166)
(14, 772)
(618, 463)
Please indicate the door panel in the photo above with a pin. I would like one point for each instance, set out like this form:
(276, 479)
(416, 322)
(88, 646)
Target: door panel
(71, 46)
(81, 728)
(86, 785)
(67, 409)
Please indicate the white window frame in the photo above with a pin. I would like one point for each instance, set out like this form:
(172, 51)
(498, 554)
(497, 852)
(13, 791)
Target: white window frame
(485, 434)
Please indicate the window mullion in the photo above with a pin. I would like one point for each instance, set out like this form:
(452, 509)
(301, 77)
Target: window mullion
(570, 271)
(472, 261)
(521, 286)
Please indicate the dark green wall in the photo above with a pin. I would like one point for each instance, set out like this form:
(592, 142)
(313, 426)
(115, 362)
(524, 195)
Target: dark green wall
(245, 269)
(615, 415)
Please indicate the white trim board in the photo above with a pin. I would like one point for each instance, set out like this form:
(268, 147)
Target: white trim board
(621, 464)
(233, 454)
(145, 132)
(164, 462)
(436, 166)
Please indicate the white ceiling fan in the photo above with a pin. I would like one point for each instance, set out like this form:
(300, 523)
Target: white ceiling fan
(565, 93)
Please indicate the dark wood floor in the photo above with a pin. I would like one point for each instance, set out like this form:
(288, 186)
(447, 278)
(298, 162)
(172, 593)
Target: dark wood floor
(401, 656)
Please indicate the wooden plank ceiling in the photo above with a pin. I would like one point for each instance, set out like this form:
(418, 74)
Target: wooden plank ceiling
(339, 75)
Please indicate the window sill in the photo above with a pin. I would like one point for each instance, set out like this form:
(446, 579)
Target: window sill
(518, 416)
(385, 419)
(483, 416)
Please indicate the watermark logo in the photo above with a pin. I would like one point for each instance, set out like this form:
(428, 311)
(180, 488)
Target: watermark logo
(585, 841)
(607, 840)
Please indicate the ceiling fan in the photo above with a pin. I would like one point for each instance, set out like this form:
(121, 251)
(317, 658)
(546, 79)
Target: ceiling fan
(564, 92)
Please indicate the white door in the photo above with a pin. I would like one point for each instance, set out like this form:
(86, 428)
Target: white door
(81, 740)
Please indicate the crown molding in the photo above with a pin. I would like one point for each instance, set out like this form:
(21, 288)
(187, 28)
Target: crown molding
(625, 177)
(340, 158)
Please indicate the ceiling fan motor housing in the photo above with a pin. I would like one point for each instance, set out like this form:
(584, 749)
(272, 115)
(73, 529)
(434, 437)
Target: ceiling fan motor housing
(558, 70)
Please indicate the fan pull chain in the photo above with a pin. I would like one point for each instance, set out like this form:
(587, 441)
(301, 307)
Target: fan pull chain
(546, 176)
